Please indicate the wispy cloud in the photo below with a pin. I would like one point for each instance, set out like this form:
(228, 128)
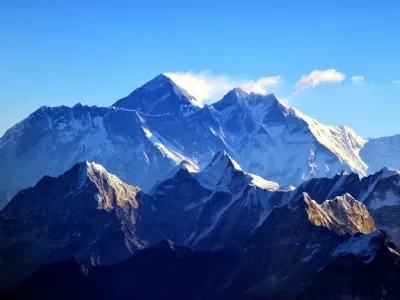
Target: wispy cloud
(357, 78)
(206, 85)
(316, 77)
(396, 81)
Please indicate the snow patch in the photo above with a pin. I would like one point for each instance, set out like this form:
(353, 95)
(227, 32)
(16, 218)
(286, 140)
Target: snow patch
(359, 245)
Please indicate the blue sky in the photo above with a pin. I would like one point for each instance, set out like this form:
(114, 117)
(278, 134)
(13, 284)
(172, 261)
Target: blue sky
(64, 52)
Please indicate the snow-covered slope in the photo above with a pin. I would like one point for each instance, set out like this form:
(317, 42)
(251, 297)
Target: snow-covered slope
(220, 174)
(277, 142)
(139, 148)
(382, 152)
(52, 140)
(381, 189)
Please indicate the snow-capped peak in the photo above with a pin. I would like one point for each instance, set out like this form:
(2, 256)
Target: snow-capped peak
(238, 93)
(160, 96)
(223, 172)
(387, 172)
(183, 165)
(221, 161)
(220, 171)
(234, 97)
(112, 191)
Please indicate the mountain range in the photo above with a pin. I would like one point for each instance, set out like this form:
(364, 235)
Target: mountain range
(160, 125)
(248, 236)
(161, 197)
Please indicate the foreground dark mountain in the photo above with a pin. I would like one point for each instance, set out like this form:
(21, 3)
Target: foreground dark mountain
(159, 125)
(264, 266)
(220, 205)
(86, 212)
(90, 214)
(352, 277)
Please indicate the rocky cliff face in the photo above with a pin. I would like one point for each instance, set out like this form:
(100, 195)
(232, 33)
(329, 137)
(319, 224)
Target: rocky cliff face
(379, 192)
(86, 212)
(343, 215)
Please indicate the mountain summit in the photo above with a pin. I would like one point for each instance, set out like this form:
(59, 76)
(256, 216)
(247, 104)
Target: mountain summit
(160, 96)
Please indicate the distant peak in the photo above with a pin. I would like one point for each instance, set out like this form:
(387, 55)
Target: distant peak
(185, 166)
(387, 172)
(233, 97)
(223, 158)
(238, 92)
(266, 100)
(220, 171)
(86, 165)
(159, 96)
(159, 81)
(87, 171)
(78, 105)
(162, 77)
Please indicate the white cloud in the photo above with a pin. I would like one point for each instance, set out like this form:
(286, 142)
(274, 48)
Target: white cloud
(396, 81)
(357, 79)
(206, 85)
(316, 77)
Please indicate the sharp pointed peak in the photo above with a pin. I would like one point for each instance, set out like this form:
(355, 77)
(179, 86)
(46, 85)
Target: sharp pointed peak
(161, 95)
(222, 157)
(233, 97)
(184, 165)
(87, 165)
(83, 172)
(161, 79)
(162, 76)
(388, 172)
(86, 171)
(238, 93)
